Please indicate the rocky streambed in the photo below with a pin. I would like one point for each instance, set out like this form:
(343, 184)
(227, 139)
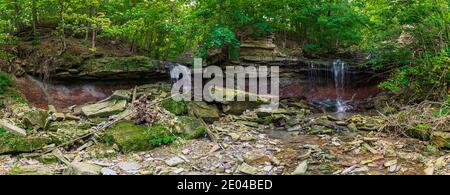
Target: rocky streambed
(104, 112)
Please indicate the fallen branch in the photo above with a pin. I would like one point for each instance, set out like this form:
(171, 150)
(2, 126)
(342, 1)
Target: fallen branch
(133, 99)
(69, 142)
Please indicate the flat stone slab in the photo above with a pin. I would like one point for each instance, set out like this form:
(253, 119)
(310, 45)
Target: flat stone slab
(12, 128)
(104, 109)
(130, 166)
(82, 168)
(174, 161)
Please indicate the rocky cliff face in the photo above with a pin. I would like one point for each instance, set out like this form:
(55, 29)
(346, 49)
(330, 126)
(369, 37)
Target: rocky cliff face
(78, 62)
(262, 50)
(102, 68)
(260, 46)
(113, 68)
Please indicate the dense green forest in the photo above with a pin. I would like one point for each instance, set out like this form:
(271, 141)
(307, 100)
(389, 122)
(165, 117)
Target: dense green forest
(409, 38)
(85, 87)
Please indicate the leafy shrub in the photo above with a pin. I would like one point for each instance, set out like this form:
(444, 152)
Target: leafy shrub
(444, 109)
(262, 29)
(427, 78)
(414, 37)
(159, 135)
(2, 131)
(222, 37)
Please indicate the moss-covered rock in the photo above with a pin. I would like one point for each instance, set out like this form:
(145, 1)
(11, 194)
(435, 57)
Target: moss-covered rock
(160, 135)
(209, 113)
(64, 131)
(441, 139)
(419, 133)
(352, 127)
(31, 170)
(131, 137)
(191, 127)
(48, 159)
(237, 108)
(128, 136)
(175, 107)
(82, 168)
(98, 66)
(104, 109)
(97, 120)
(134, 63)
(323, 121)
(120, 67)
(272, 119)
(36, 120)
(6, 126)
(69, 125)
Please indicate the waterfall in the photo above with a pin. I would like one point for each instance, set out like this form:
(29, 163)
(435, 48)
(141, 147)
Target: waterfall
(338, 70)
(312, 75)
(178, 72)
(43, 87)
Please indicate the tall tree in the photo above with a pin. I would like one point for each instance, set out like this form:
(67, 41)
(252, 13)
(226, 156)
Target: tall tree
(34, 22)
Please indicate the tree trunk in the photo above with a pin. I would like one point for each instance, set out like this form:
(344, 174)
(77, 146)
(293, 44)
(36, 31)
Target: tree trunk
(88, 25)
(34, 16)
(62, 25)
(169, 33)
(94, 33)
(94, 29)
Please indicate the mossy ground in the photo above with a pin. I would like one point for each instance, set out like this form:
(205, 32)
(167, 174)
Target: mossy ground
(160, 135)
(10, 143)
(131, 137)
(192, 127)
(175, 107)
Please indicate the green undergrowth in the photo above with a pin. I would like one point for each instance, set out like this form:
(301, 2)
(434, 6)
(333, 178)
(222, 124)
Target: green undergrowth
(131, 137)
(5, 82)
(175, 107)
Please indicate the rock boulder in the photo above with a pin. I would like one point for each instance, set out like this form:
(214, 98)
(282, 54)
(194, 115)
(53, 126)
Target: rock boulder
(104, 109)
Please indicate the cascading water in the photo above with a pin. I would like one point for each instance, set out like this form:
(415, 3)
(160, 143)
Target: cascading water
(339, 82)
(40, 85)
(312, 75)
(328, 86)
